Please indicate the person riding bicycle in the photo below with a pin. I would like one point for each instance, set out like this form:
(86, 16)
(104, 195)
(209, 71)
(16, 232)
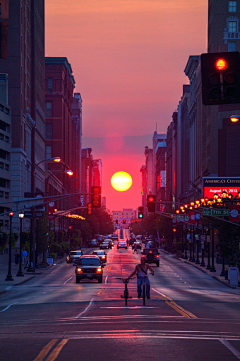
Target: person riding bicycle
(141, 271)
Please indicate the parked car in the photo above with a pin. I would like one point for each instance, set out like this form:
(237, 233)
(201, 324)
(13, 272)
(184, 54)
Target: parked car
(151, 255)
(101, 254)
(93, 243)
(74, 256)
(105, 245)
(89, 266)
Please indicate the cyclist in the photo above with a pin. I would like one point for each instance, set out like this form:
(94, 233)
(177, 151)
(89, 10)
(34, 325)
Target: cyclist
(141, 271)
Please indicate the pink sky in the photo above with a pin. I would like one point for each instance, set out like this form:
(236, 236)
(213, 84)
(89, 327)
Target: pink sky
(128, 58)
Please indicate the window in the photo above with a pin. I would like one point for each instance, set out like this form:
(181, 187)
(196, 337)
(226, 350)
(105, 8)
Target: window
(49, 85)
(48, 152)
(48, 130)
(232, 27)
(48, 109)
(232, 6)
(232, 46)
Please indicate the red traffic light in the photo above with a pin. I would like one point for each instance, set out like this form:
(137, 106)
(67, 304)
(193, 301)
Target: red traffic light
(151, 199)
(70, 227)
(221, 64)
(174, 230)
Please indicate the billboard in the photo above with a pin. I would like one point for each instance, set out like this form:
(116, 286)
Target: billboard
(212, 185)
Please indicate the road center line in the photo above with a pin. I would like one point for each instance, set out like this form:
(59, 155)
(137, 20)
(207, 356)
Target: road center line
(68, 280)
(230, 347)
(6, 308)
(57, 350)
(86, 309)
(45, 350)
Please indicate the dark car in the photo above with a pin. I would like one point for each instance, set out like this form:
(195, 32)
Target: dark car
(89, 267)
(151, 255)
(122, 244)
(105, 245)
(74, 256)
(115, 237)
(101, 254)
(93, 243)
(138, 245)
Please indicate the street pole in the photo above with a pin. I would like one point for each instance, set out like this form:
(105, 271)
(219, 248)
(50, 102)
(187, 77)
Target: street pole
(212, 269)
(30, 269)
(20, 272)
(9, 276)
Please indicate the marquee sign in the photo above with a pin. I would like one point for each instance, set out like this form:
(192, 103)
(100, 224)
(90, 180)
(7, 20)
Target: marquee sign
(212, 185)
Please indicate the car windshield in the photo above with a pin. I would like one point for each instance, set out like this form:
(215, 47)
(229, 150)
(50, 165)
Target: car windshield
(75, 253)
(89, 262)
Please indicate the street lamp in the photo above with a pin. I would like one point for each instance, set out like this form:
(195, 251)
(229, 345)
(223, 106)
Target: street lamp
(20, 272)
(9, 276)
(234, 118)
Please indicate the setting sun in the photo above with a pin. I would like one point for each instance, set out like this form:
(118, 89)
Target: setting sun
(121, 181)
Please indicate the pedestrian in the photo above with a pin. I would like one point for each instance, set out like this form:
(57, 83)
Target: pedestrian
(24, 256)
(17, 256)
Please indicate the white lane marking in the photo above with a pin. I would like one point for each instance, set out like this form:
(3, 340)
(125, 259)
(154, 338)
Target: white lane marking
(67, 280)
(86, 309)
(6, 308)
(106, 279)
(231, 348)
(8, 288)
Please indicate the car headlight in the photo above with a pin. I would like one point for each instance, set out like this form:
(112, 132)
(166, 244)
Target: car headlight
(79, 270)
(99, 270)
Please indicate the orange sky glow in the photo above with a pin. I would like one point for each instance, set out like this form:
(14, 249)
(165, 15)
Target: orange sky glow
(128, 58)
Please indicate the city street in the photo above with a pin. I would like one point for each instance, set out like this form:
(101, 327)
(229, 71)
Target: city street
(190, 316)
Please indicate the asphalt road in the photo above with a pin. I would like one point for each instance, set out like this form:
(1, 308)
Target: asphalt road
(190, 316)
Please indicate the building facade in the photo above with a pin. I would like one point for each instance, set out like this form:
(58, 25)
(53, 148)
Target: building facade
(60, 127)
(23, 24)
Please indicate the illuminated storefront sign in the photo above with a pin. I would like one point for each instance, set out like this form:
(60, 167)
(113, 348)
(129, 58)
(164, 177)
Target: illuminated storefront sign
(212, 185)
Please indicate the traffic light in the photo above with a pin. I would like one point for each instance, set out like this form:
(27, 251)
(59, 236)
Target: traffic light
(96, 197)
(174, 230)
(89, 208)
(140, 212)
(124, 221)
(151, 203)
(220, 78)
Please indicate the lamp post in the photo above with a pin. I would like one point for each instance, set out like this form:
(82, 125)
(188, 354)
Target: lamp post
(9, 275)
(31, 268)
(20, 272)
(212, 269)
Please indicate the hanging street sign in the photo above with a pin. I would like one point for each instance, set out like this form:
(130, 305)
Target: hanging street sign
(215, 212)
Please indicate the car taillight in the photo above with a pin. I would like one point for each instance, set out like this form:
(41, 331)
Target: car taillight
(157, 255)
(143, 255)
(99, 270)
(67, 258)
(103, 256)
(150, 252)
(79, 270)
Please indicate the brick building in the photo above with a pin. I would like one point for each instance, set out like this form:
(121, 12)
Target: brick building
(60, 128)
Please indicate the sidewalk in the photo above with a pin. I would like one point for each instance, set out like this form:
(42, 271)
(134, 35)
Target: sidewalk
(218, 268)
(6, 285)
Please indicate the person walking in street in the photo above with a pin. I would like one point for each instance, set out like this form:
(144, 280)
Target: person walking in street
(17, 256)
(24, 256)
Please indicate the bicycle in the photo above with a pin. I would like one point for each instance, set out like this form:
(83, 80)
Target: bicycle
(126, 293)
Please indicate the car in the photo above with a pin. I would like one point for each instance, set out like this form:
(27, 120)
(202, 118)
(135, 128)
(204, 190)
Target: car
(101, 254)
(93, 243)
(89, 267)
(73, 256)
(122, 244)
(115, 237)
(151, 255)
(139, 246)
(105, 245)
(151, 244)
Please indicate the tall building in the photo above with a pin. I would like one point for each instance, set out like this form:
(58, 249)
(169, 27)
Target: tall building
(22, 29)
(223, 146)
(159, 167)
(77, 140)
(60, 128)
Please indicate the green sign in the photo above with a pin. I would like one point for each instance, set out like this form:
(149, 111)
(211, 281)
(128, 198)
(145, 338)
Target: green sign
(215, 212)
(180, 216)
